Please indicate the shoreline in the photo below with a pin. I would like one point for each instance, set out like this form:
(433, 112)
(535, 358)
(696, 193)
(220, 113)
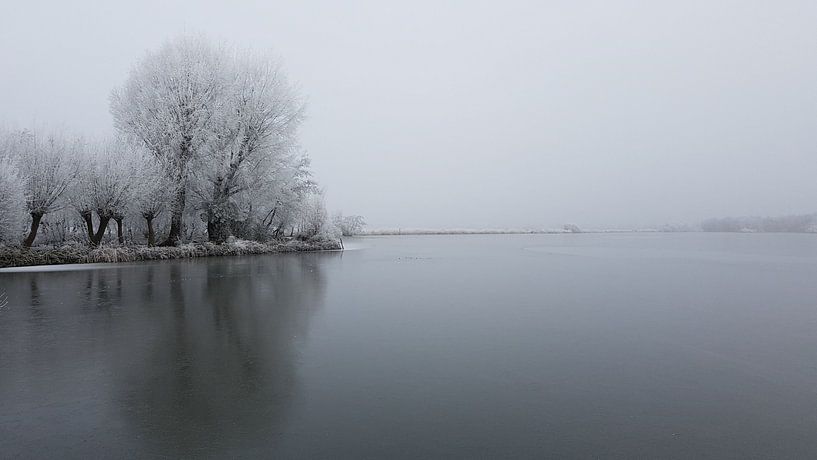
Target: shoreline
(490, 232)
(556, 232)
(68, 254)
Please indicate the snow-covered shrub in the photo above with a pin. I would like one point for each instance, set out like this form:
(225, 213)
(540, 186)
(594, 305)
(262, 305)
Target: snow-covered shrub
(314, 222)
(349, 225)
(572, 228)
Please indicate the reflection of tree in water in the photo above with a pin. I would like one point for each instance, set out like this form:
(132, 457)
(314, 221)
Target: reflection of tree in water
(219, 374)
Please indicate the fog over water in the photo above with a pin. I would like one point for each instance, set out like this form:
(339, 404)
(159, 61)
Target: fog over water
(484, 114)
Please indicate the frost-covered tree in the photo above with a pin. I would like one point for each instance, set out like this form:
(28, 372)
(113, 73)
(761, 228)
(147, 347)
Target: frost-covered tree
(348, 225)
(280, 201)
(150, 195)
(223, 124)
(49, 164)
(168, 103)
(313, 220)
(12, 192)
(12, 201)
(254, 132)
(110, 177)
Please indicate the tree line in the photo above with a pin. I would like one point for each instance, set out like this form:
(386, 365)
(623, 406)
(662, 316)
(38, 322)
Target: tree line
(206, 146)
(799, 223)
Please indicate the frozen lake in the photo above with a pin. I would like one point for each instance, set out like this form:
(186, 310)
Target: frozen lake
(593, 345)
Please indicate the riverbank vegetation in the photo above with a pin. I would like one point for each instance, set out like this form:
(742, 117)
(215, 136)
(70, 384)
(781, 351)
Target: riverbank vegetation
(206, 151)
(77, 253)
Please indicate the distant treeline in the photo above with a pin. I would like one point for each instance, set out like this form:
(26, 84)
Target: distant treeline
(804, 223)
(568, 228)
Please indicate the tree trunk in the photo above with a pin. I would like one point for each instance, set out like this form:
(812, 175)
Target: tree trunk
(270, 216)
(36, 217)
(100, 232)
(89, 224)
(180, 194)
(218, 228)
(151, 233)
(176, 210)
(218, 223)
(120, 236)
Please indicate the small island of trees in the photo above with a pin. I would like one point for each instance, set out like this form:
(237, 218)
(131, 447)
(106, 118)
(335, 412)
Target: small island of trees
(205, 153)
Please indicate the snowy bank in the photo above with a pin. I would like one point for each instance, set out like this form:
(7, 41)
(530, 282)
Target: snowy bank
(80, 254)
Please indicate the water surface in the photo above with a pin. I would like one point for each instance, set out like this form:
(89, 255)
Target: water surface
(618, 345)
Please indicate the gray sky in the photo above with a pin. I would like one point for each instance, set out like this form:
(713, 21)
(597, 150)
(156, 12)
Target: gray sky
(484, 114)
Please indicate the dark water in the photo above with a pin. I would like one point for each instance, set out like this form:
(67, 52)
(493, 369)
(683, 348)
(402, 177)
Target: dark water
(628, 345)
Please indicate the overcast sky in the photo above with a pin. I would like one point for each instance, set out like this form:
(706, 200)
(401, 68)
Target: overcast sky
(484, 114)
